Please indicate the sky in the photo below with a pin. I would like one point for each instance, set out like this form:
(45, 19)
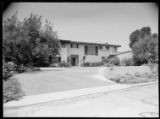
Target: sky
(92, 22)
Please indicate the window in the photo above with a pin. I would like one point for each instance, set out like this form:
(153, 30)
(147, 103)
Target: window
(71, 45)
(96, 51)
(91, 50)
(50, 59)
(74, 45)
(86, 50)
(107, 47)
(115, 49)
(63, 45)
(100, 47)
(83, 57)
(59, 59)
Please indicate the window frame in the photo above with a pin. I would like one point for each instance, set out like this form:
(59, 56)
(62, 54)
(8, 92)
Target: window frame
(86, 50)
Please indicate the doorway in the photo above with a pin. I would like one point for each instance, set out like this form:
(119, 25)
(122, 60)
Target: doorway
(74, 60)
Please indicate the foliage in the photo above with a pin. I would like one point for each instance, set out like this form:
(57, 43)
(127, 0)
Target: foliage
(86, 64)
(113, 61)
(8, 70)
(54, 65)
(11, 90)
(127, 62)
(64, 64)
(105, 60)
(144, 45)
(28, 42)
(21, 69)
(92, 64)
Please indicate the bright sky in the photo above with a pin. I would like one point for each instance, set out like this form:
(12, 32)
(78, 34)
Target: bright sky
(92, 22)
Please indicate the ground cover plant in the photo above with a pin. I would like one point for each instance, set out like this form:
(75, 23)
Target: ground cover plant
(136, 77)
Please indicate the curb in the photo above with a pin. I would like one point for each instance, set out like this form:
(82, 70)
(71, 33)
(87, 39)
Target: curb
(49, 97)
(53, 69)
(26, 110)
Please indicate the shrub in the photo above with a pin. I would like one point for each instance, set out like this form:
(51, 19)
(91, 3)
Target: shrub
(127, 62)
(114, 61)
(54, 65)
(36, 69)
(64, 64)
(92, 64)
(86, 64)
(108, 65)
(21, 69)
(105, 61)
(8, 71)
(111, 61)
(11, 90)
(96, 64)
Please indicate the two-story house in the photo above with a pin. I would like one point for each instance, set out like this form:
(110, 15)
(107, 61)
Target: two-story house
(76, 53)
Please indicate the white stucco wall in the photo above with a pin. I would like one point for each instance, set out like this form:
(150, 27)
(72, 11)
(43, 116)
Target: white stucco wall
(67, 51)
(63, 54)
(101, 53)
(77, 51)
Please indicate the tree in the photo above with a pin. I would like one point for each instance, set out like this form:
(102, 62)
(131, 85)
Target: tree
(144, 45)
(23, 42)
(50, 37)
(10, 39)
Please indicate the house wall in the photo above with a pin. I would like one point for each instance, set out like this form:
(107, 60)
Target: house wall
(101, 53)
(77, 51)
(63, 54)
(67, 51)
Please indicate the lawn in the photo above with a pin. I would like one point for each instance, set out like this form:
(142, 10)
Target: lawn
(61, 80)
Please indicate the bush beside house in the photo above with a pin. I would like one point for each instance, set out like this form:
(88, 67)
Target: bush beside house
(111, 61)
(92, 64)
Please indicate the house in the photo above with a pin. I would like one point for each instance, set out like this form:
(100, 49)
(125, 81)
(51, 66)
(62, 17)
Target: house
(76, 53)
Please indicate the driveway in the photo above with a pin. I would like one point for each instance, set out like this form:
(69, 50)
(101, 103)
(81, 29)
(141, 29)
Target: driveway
(140, 101)
(47, 81)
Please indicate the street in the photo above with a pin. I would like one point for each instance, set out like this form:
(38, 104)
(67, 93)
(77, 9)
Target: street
(141, 101)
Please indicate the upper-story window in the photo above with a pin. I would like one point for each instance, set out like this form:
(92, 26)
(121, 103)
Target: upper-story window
(74, 45)
(111, 49)
(63, 45)
(115, 49)
(71, 45)
(91, 50)
(107, 47)
(100, 47)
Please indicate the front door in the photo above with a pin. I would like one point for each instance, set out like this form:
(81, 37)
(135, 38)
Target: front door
(73, 61)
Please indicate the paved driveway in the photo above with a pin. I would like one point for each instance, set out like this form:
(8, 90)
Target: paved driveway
(141, 101)
(59, 80)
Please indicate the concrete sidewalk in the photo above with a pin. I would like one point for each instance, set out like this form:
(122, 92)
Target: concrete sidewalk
(137, 101)
(29, 104)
